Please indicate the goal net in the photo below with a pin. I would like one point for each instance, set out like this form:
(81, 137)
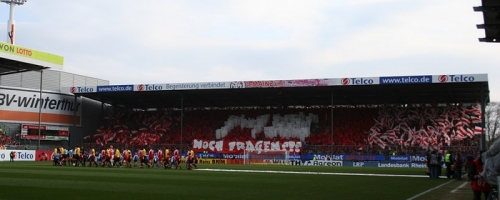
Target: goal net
(280, 157)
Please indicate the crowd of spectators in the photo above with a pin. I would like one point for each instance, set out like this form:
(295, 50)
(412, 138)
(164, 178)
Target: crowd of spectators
(5, 140)
(353, 128)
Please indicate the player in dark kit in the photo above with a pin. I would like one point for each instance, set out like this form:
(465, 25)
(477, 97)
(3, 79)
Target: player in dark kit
(12, 156)
(84, 158)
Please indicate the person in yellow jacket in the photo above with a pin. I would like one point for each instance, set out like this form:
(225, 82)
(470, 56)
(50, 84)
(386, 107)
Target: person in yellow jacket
(167, 159)
(194, 159)
(117, 158)
(77, 156)
(92, 157)
(108, 157)
(54, 155)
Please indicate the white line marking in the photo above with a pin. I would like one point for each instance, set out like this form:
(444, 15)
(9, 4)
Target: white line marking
(429, 190)
(331, 173)
(314, 173)
(456, 189)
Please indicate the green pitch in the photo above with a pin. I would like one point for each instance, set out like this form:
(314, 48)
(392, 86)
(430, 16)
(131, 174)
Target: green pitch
(41, 180)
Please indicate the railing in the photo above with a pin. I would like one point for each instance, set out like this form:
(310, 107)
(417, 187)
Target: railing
(4, 129)
(29, 147)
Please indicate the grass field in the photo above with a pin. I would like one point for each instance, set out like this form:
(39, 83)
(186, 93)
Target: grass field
(41, 180)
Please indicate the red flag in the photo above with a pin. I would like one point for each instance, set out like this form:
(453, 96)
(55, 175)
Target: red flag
(461, 132)
(447, 139)
(476, 120)
(478, 130)
(465, 121)
(470, 133)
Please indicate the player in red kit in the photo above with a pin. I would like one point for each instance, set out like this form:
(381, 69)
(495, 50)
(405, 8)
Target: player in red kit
(160, 158)
(151, 156)
(141, 158)
(189, 160)
(103, 157)
(177, 159)
(112, 157)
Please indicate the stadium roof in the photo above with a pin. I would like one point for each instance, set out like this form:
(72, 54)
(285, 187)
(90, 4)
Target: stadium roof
(463, 88)
(8, 66)
(16, 59)
(491, 16)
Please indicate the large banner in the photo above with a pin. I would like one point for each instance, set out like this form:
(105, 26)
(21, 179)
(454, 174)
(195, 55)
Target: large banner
(259, 146)
(20, 155)
(24, 106)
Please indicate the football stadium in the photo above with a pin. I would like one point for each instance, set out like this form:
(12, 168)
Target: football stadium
(346, 138)
(65, 135)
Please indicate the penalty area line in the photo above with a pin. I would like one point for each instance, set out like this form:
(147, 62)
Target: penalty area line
(311, 173)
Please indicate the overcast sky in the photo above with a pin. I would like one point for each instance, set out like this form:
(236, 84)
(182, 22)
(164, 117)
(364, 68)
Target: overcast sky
(172, 41)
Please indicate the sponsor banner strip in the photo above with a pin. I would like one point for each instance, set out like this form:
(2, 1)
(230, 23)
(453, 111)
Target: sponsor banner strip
(115, 88)
(315, 173)
(326, 163)
(386, 164)
(345, 157)
(460, 78)
(419, 79)
(212, 161)
(20, 155)
(405, 80)
(359, 81)
(399, 158)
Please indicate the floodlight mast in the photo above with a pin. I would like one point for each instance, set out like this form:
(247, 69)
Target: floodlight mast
(11, 23)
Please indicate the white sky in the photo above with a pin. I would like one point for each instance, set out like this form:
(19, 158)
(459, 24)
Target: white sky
(172, 41)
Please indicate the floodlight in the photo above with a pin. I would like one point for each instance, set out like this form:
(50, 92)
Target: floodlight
(18, 2)
(10, 24)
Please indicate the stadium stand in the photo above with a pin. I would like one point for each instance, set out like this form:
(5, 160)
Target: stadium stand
(363, 129)
(6, 140)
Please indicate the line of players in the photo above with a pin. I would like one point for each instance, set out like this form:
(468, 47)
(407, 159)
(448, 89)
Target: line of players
(111, 157)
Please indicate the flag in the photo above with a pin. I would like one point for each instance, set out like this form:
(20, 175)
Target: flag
(478, 130)
(475, 110)
(375, 129)
(447, 139)
(461, 133)
(470, 133)
(465, 121)
(476, 120)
